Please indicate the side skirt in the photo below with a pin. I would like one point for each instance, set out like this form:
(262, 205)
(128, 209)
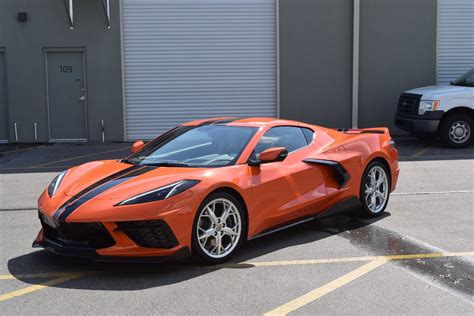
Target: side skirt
(346, 206)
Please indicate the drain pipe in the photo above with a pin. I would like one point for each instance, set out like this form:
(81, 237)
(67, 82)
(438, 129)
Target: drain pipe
(102, 127)
(16, 132)
(355, 64)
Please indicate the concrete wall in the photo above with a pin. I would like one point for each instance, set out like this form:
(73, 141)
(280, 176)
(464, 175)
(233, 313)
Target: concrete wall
(316, 61)
(397, 52)
(47, 27)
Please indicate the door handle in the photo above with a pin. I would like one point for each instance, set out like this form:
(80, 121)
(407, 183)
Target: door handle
(83, 98)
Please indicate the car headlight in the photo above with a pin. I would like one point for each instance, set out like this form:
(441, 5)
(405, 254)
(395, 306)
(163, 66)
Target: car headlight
(428, 106)
(161, 193)
(54, 185)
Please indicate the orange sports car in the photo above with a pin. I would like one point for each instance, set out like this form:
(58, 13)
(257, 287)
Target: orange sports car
(205, 187)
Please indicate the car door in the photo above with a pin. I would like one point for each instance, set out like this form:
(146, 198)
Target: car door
(286, 190)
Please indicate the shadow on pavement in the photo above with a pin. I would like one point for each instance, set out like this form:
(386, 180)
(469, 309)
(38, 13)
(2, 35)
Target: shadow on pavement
(129, 277)
(413, 149)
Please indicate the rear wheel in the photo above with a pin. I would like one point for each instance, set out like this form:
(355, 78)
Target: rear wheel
(375, 189)
(219, 228)
(456, 130)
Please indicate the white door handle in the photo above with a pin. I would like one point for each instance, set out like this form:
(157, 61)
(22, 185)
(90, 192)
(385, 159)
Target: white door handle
(83, 98)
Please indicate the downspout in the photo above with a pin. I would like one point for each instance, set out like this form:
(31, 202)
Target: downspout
(355, 65)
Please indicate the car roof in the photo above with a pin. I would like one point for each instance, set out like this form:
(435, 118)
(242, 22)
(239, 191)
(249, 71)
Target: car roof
(249, 121)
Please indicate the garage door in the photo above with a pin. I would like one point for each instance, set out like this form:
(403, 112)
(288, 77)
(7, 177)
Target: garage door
(192, 59)
(455, 38)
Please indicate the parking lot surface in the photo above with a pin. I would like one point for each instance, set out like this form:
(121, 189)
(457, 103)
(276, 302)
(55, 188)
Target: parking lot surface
(418, 258)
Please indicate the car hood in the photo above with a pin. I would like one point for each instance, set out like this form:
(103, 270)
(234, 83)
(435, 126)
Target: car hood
(437, 90)
(121, 180)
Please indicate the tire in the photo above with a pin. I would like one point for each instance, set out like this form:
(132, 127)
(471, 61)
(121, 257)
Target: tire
(456, 130)
(208, 230)
(369, 190)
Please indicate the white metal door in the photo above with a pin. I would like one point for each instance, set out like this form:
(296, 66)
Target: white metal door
(191, 59)
(455, 38)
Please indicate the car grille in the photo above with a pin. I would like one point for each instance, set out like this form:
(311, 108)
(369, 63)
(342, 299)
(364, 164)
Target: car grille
(153, 233)
(90, 235)
(408, 103)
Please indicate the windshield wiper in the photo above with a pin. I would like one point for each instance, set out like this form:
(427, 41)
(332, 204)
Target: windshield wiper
(166, 164)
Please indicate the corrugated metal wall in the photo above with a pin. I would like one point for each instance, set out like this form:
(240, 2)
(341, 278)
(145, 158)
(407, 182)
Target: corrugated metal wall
(190, 59)
(455, 38)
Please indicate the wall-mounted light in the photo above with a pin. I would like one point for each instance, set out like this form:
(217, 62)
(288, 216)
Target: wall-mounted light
(22, 17)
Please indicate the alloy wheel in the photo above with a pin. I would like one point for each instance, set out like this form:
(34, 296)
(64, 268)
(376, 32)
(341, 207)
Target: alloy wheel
(219, 228)
(376, 189)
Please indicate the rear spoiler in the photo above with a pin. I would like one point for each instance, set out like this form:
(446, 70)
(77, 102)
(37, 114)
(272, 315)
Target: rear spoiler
(373, 130)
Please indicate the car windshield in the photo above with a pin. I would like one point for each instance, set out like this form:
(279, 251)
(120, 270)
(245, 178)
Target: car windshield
(466, 80)
(196, 146)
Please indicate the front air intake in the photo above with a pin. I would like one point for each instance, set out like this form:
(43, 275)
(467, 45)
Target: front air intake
(153, 234)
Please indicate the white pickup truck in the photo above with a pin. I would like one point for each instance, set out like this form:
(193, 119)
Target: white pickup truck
(446, 111)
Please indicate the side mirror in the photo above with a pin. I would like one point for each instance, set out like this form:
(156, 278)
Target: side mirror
(271, 155)
(137, 146)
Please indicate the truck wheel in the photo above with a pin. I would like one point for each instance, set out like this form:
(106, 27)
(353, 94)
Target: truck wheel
(456, 130)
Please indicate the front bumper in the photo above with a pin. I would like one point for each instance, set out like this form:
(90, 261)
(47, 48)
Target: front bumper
(70, 250)
(90, 253)
(419, 124)
(136, 241)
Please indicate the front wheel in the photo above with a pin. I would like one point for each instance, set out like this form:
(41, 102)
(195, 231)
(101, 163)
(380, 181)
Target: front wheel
(219, 228)
(456, 130)
(375, 189)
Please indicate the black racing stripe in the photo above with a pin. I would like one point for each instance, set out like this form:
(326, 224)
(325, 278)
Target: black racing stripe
(225, 121)
(93, 186)
(102, 188)
(137, 172)
(209, 122)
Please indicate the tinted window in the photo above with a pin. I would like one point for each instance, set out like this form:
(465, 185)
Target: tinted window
(202, 146)
(284, 136)
(466, 80)
(308, 134)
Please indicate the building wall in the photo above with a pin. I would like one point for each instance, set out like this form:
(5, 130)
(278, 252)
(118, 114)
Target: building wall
(397, 52)
(316, 61)
(47, 27)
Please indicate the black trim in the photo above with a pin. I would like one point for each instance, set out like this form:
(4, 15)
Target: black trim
(340, 172)
(348, 205)
(89, 253)
(358, 131)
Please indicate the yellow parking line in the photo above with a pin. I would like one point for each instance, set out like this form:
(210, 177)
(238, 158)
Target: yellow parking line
(421, 152)
(35, 275)
(354, 259)
(327, 288)
(374, 263)
(21, 149)
(33, 288)
(79, 157)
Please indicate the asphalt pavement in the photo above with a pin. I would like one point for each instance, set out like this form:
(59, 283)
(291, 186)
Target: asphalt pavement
(416, 259)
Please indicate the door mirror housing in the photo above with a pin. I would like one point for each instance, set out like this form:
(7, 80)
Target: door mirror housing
(273, 154)
(137, 146)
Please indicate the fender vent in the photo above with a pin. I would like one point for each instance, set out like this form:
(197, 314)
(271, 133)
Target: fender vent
(340, 172)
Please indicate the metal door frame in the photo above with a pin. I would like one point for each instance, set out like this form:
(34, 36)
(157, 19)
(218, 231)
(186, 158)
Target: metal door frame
(7, 116)
(67, 50)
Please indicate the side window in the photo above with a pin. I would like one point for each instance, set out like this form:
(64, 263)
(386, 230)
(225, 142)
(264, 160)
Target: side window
(283, 136)
(308, 134)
